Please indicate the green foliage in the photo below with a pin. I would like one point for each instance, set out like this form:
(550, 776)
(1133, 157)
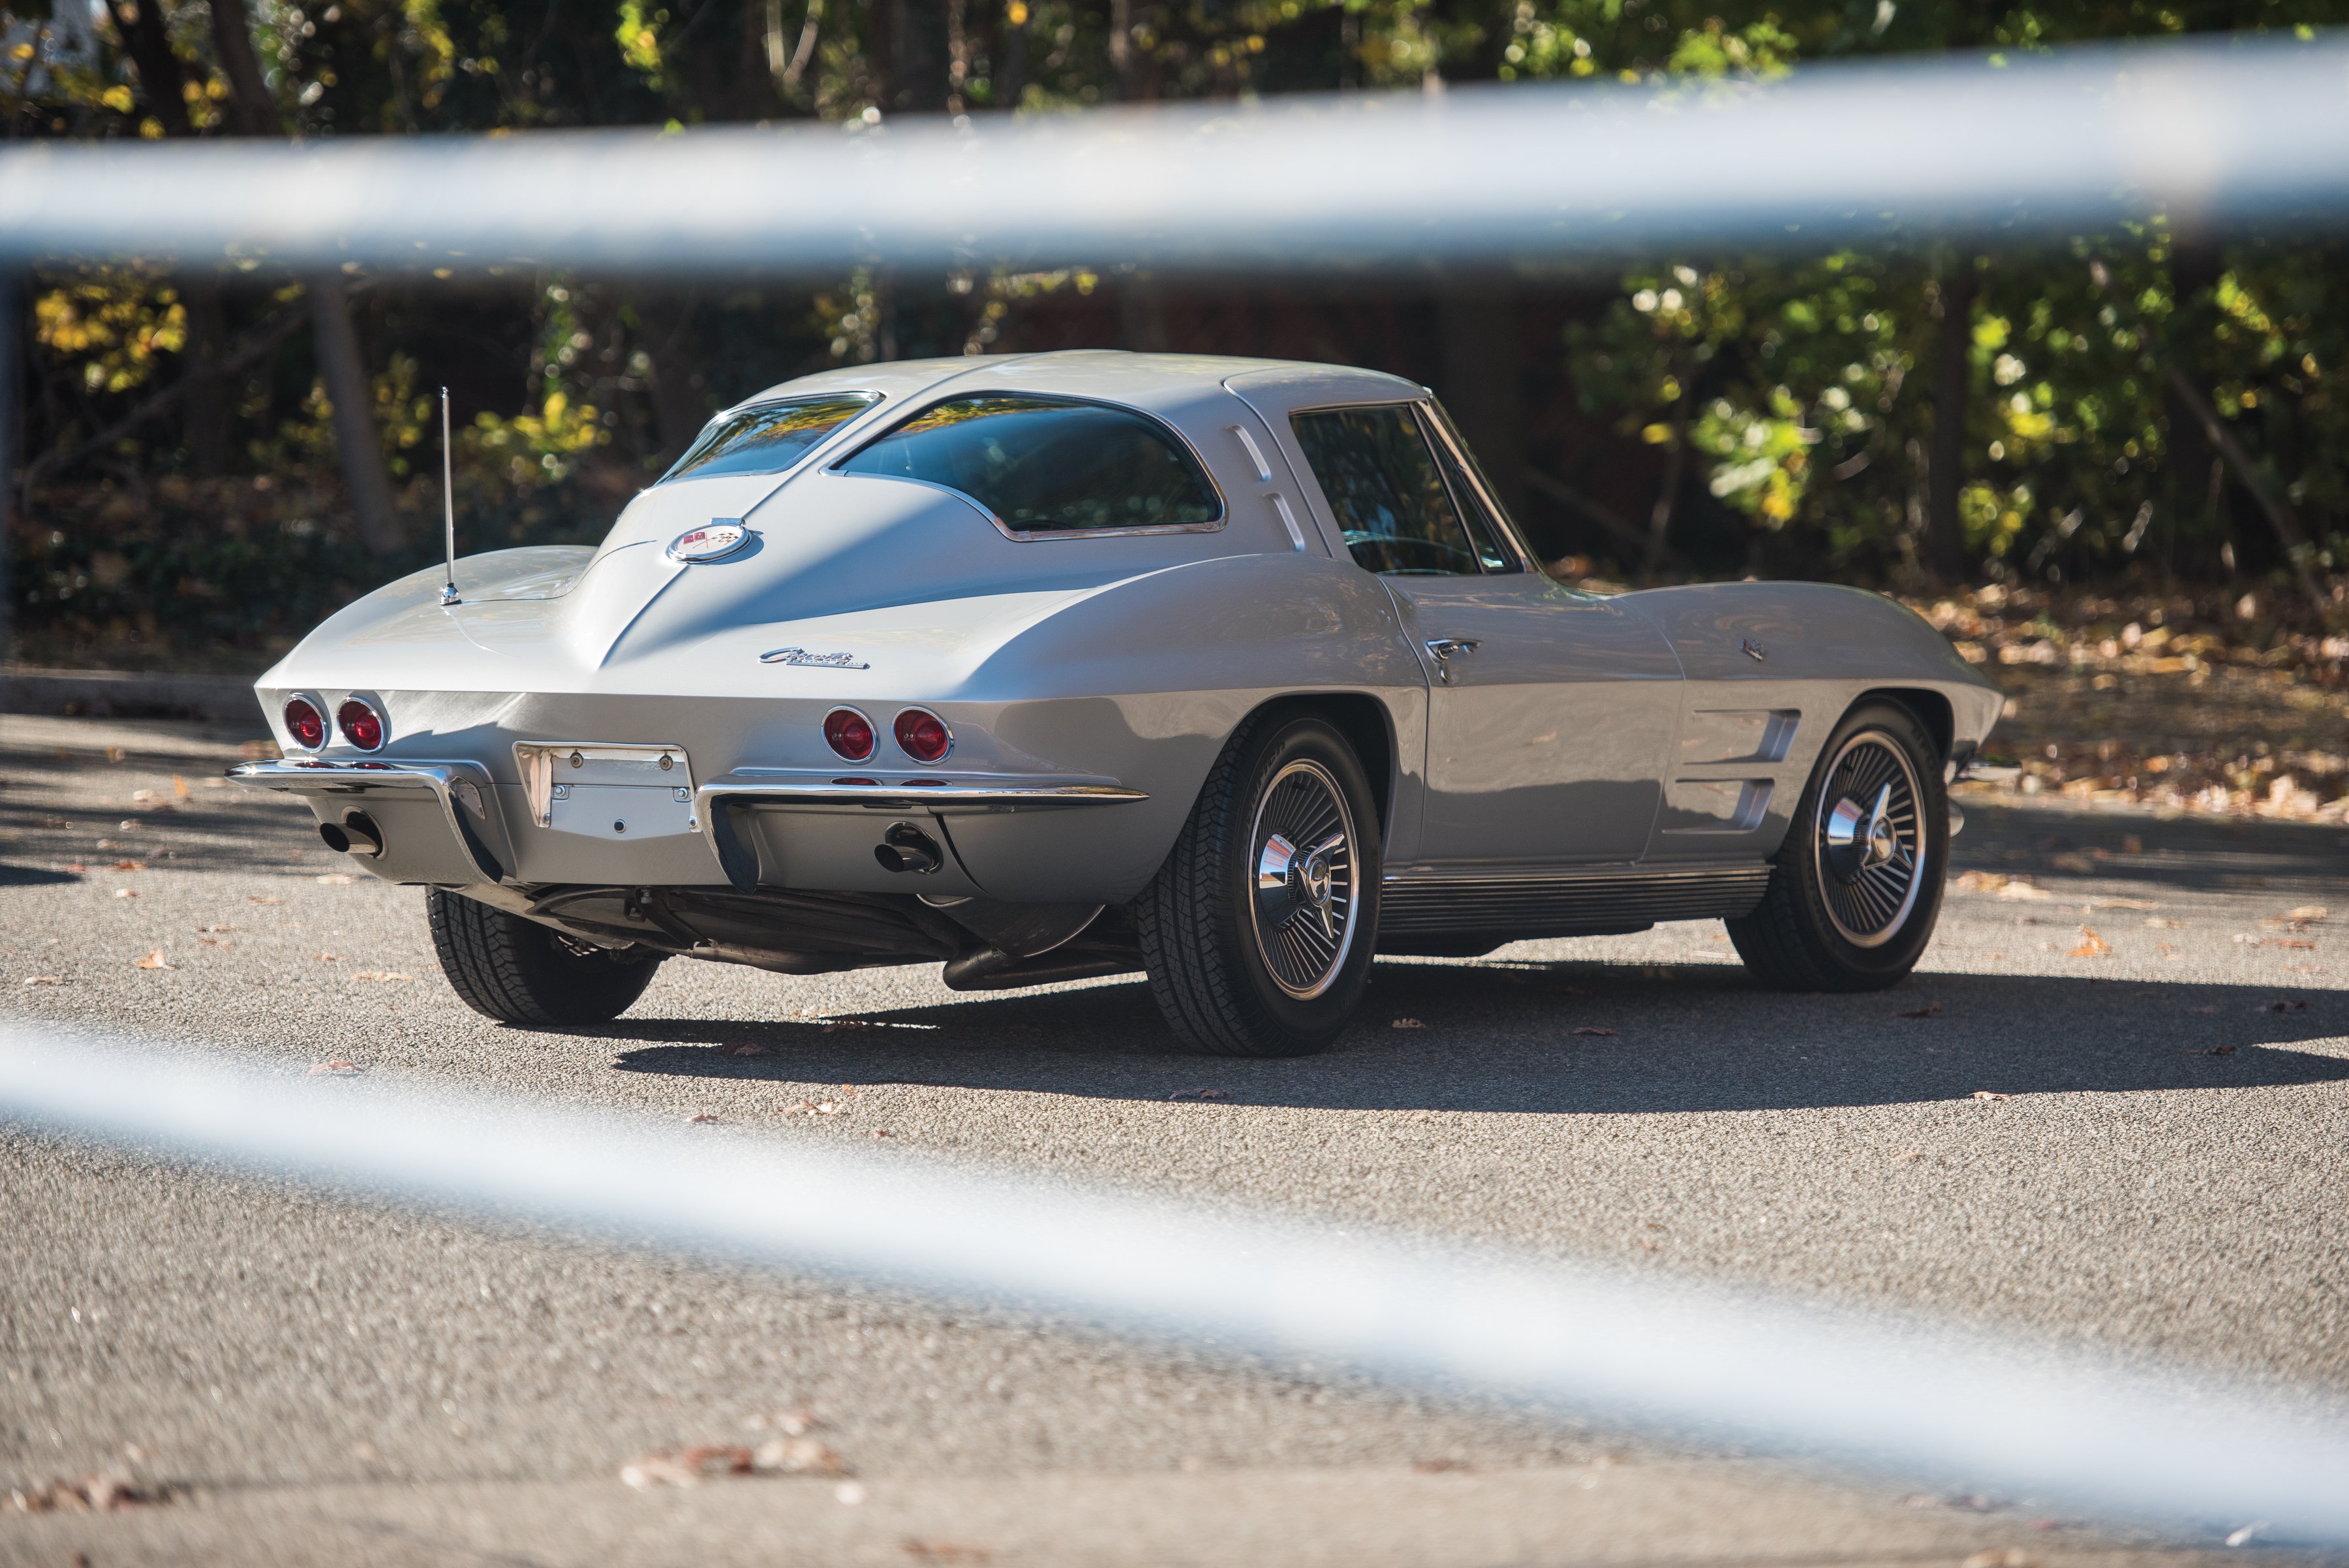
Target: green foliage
(1793, 396)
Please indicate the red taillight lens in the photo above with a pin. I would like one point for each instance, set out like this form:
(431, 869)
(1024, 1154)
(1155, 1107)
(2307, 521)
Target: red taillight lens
(923, 735)
(849, 732)
(362, 725)
(306, 723)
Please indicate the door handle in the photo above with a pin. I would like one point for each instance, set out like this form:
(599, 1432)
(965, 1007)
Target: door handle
(1444, 648)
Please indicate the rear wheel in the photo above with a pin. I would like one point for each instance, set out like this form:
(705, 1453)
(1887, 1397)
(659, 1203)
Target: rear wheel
(1857, 887)
(1258, 932)
(518, 972)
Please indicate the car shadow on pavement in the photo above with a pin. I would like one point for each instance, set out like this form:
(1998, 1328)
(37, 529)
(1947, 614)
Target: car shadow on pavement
(1560, 1038)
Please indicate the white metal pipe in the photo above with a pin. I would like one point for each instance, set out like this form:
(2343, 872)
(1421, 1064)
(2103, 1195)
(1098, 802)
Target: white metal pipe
(1871, 1392)
(2213, 132)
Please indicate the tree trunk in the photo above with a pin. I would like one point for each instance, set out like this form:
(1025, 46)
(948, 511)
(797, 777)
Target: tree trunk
(1668, 494)
(11, 410)
(357, 440)
(204, 418)
(679, 411)
(256, 110)
(160, 82)
(1945, 543)
(1483, 382)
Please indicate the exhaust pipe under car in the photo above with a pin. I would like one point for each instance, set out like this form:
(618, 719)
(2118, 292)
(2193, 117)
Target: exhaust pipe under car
(356, 834)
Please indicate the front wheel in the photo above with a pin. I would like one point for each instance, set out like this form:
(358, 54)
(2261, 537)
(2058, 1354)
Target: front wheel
(518, 972)
(1259, 931)
(1855, 889)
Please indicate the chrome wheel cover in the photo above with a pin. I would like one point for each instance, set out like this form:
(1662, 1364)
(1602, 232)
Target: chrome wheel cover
(1301, 879)
(1868, 838)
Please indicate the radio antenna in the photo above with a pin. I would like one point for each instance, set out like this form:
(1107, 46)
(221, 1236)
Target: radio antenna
(448, 505)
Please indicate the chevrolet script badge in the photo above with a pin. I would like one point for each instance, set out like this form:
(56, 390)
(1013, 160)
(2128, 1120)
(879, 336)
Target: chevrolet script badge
(801, 656)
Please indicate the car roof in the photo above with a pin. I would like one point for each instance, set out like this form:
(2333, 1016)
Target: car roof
(1113, 374)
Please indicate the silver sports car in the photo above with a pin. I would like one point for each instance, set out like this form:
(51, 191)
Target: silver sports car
(1230, 671)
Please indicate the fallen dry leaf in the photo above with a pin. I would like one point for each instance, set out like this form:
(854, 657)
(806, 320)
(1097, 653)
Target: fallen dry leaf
(77, 867)
(1200, 1094)
(2091, 945)
(1991, 1094)
(129, 865)
(744, 1050)
(2212, 1051)
(921, 1551)
(126, 892)
(2306, 915)
(250, 899)
(2001, 1557)
(2289, 942)
(701, 1119)
(179, 788)
(2071, 860)
(2120, 904)
(1591, 1029)
(1438, 1467)
(2282, 1007)
(338, 876)
(90, 1494)
(382, 974)
(2166, 925)
(337, 1068)
(155, 960)
(1931, 1010)
(791, 1423)
(1910, 1154)
(1406, 1023)
(330, 958)
(691, 1467)
(45, 979)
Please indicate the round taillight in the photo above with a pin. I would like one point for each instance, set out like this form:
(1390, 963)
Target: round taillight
(923, 735)
(306, 723)
(362, 726)
(849, 732)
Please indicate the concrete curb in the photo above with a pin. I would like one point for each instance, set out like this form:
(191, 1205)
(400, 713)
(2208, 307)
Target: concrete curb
(127, 694)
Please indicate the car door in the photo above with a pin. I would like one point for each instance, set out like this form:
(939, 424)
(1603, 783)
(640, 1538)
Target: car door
(1550, 712)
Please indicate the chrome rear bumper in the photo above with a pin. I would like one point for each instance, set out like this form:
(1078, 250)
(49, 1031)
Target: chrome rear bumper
(464, 791)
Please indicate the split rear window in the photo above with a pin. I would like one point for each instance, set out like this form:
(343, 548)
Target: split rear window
(768, 437)
(1049, 465)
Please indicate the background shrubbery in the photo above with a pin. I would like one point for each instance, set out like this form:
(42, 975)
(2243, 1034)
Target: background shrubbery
(1703, 415)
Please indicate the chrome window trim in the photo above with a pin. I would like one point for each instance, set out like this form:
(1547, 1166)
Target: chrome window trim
(1433, 420)
(1038, 535)
(821, 450)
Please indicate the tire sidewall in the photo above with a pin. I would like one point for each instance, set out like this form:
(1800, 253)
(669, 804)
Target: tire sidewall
(1891, 959)
(1312, 1024)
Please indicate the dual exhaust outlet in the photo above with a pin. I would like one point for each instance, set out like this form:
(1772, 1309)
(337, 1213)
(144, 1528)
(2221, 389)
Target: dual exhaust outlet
(903, 847)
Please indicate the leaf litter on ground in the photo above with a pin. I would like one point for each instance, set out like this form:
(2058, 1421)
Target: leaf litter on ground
(784, 1456)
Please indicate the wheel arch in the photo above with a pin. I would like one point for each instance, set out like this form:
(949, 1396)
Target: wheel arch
(1928, 706)
(1366, 725)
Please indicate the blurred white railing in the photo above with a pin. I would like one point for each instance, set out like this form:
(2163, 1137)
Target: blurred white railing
(2211, 132)
(1897, 1397)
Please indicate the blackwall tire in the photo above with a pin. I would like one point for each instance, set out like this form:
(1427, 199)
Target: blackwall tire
(1855, 889)
(1259, 931)
(518, 972)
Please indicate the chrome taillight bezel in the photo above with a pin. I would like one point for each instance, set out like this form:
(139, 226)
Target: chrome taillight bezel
(862, 717)
(316, 704)
(343, 728)
(896, 733)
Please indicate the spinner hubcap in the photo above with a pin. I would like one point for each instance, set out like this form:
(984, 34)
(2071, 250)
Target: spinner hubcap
(1871, 839)
(1303, 893)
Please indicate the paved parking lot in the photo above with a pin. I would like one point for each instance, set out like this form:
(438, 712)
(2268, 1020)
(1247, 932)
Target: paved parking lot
(2109, 1112)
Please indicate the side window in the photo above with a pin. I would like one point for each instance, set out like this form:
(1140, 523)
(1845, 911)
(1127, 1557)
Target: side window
(1493, 551)
(1049, 465)
(1386, 491)
(768, 437)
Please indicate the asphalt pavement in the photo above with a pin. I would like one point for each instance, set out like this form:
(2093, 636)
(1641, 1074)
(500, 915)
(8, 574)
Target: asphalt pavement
(2107, 1114)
